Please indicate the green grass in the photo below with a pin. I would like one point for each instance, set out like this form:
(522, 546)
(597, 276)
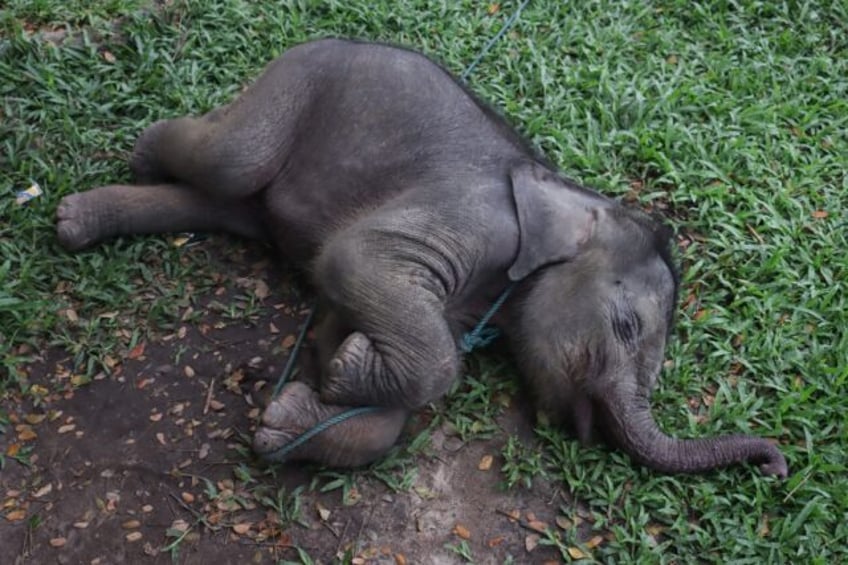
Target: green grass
(729, 117)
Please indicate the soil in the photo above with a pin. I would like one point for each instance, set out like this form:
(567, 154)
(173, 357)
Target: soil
(151, 463)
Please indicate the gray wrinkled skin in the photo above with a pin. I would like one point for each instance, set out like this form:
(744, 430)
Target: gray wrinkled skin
(412, 206)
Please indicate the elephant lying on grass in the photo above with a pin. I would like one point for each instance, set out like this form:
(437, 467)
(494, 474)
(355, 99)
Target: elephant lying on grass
(413, 206)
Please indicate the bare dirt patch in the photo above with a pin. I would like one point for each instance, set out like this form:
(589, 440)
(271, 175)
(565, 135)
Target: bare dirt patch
(151, 464)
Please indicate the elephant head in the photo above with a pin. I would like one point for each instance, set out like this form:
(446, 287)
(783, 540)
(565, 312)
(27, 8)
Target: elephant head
(594, 320)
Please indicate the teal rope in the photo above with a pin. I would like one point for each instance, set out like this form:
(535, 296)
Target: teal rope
(281, 453)
(481, 336)
(512, 19)
(289, 368)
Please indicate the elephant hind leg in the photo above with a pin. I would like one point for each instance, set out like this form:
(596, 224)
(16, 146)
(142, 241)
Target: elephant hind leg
(235, 150)
(87, 218)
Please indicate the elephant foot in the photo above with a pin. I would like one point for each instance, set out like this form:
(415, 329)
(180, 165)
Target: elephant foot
(81, 221)
(344, 380)
(143, 160)
(353, 442)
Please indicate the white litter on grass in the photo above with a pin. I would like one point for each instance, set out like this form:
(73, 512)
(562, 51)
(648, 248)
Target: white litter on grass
(24, 196)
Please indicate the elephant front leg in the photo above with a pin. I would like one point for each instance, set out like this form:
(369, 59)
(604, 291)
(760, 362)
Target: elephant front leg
(291, 418)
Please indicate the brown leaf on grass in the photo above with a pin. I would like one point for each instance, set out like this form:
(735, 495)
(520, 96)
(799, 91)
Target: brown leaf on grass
(109, 57)
(493, 8)
(136, 351)
(654, 529)
(764, 527)
(594, 542)
(576, 553)
(819, 214)
(564, 522)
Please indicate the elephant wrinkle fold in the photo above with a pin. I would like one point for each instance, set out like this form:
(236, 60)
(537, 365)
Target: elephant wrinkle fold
(412, 205)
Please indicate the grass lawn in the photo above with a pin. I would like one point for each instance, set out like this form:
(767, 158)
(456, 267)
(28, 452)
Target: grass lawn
(730, 118)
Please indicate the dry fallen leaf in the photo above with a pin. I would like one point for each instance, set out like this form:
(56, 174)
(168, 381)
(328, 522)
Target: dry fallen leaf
(485, 463)
(575, 553)
(131, 524)
(58, 542)
(187, 497)
(819, 214)
(594, 542)
(462, 531)
(109, 57)
(133, 536)
(288, 341)
(538, 526)
(531, 541)
(67, 428)
(495, 541)
(136, 351)
(400, 559)
(261, 289)
(27, 434)
(16, 515)
(323, 512)
(46, 489)
(242, 528)
(563, 522)
(34, 418)
(654, 529)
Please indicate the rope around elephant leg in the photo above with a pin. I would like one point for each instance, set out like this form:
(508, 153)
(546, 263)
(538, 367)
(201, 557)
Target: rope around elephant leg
(481, 336)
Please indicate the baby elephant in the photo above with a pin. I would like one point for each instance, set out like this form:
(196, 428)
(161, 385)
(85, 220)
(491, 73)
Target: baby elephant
(412, 206)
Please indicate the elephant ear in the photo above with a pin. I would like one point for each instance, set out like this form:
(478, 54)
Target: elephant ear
(555, 218)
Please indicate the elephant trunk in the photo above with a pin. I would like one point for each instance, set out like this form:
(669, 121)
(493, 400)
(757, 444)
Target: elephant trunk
(634, 430)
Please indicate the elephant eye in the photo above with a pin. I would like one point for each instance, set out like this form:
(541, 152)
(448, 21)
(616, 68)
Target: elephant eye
(626, 324)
